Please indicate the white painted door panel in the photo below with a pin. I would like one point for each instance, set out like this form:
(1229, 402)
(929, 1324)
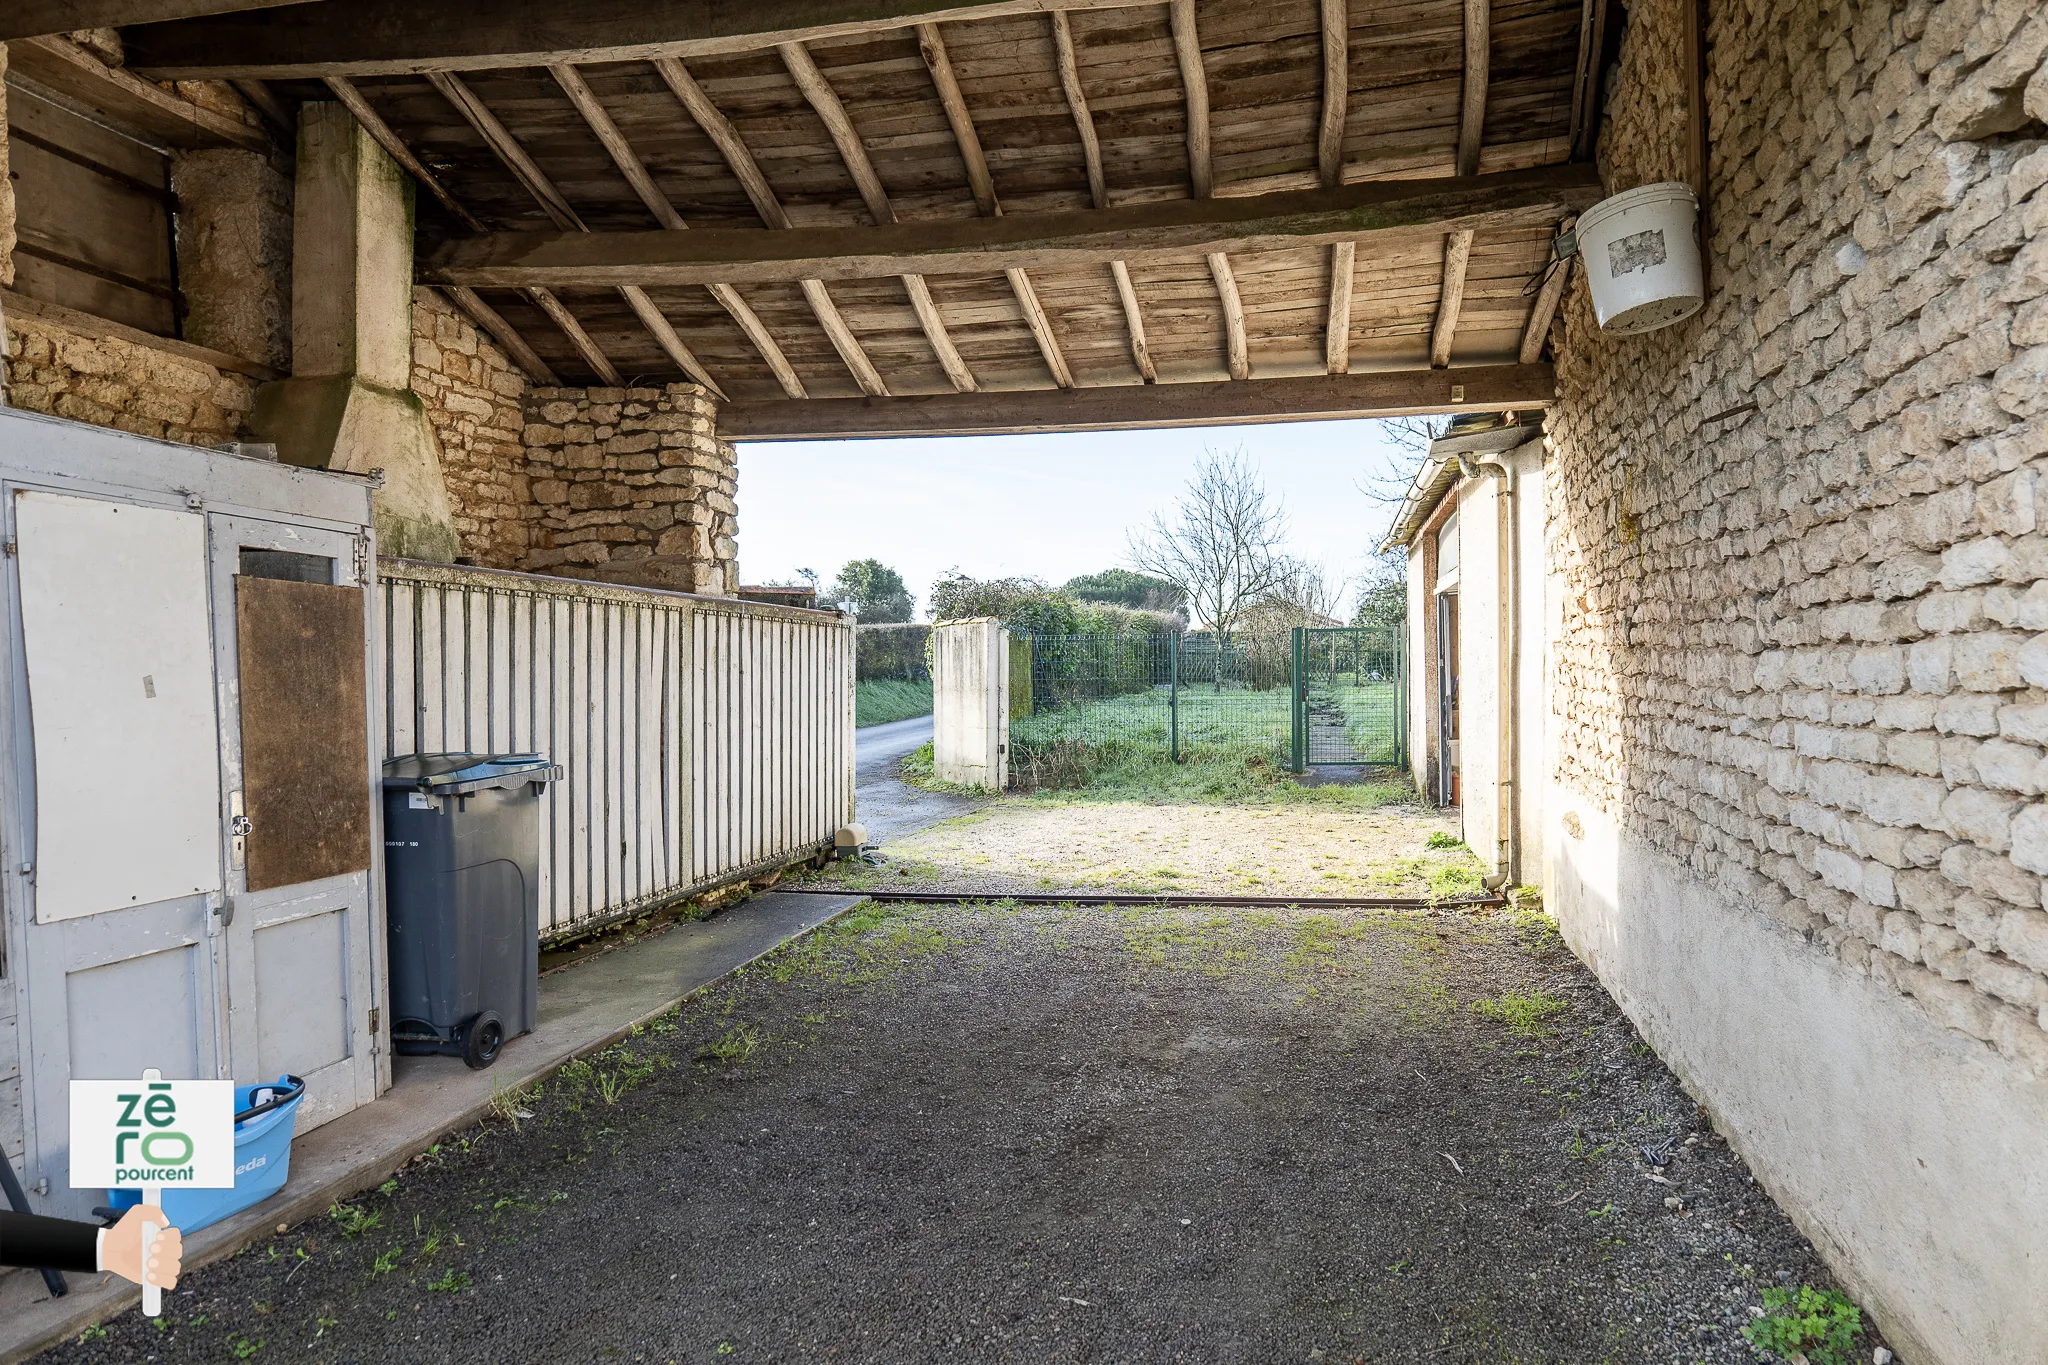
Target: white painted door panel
(118, 639)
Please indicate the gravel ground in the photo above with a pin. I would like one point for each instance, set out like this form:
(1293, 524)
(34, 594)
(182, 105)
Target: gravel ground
(994, 1134)
(1034, 844)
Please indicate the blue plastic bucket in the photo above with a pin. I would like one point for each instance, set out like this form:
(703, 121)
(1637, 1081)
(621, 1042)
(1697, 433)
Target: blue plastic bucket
(264, 1117)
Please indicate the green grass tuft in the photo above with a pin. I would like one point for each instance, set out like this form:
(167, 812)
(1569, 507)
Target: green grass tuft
(1819, 1325)
(882, 700)
(1525, 1014)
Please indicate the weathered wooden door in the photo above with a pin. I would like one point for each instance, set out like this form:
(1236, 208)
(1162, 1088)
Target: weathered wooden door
(291, 604)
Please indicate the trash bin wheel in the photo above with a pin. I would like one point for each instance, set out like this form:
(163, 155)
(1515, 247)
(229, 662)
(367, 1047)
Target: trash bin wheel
(482, 1040)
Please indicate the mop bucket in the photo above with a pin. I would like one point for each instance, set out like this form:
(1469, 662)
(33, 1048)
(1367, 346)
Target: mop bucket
(264, 1117)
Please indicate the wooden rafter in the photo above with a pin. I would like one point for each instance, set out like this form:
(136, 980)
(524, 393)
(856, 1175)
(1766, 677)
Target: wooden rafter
(1586, 76)
(832, 113)
(488, 318)
(842, 338)
(1237, 347)
(750, 323)
(1068, 62)
(1457, 255)
(1478, 72)
(1167, 229)
(1187, 51)
(1041, 328)
(507, 149)
(726, 138)
(33, 18)
(1537, 330)
(1337, 327)
(1380, 393)
(119, 98)
(1336, 92)
(932, 47)
(381, 132)
(405, 37)
(580, 339)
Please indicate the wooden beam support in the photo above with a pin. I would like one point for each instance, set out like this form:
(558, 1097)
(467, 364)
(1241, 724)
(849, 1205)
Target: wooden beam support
(488, 318)
(1041, 328)
(1537, 330)
(1457, 255)
(738, 159)
(507, 149)
(1126, 407)
(927, 310)
(35, 18)
(1069, 64)
(580, 339)
(664, 331)
(933, 49)
(405, 37)
(750, 322)
(600, 123)
(380, 131)
(119, 99)
(1336, 92)
(1478, 73)
(1141, 350)
(825, 101)
(1337, 326)
(843, 340)
(1165, 230)
(283, 122)
(1238, 348)
(1194, 78)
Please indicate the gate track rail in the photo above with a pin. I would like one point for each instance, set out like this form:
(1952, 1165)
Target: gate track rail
(1183, 899)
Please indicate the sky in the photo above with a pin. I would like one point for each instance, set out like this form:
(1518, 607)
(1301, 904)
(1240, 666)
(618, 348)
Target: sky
(1049, 507)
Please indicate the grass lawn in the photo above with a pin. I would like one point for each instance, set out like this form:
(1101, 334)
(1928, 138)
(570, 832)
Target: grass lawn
(885, 699)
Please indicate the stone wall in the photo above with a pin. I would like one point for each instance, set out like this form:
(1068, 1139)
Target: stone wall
(475, 399)
(1807, 656)
(111, 376)
(1801, 660)
(632, 486)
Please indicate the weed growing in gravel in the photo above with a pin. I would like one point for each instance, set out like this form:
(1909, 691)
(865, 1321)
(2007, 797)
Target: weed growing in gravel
(453, 1282)
(734, 1046)
(1523, 1013)
(1443, 839)
(1819, 1325)
(353, 1221)
(1453, 879)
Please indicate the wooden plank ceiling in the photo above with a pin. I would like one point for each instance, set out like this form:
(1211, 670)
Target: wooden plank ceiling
(907, 207)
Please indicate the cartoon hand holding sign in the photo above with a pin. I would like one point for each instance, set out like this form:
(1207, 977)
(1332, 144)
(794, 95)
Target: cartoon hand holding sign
(145, 1135)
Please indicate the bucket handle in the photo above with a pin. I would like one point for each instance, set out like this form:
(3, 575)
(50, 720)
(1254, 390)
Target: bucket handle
(277, 1100)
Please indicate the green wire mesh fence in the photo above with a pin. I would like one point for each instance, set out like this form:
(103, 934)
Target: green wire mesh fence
(1298, 698)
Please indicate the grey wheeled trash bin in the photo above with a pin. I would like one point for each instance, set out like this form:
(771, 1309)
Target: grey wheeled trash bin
(461, 874)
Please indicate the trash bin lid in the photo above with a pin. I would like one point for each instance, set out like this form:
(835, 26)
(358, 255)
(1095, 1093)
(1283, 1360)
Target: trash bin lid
(456, 774)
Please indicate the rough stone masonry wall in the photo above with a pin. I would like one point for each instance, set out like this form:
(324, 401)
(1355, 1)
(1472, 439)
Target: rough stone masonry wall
(475, 399)
(632, 486)
(1805, 649)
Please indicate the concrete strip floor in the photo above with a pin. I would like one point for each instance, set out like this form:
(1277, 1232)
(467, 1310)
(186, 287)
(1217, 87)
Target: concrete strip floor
(583, 1008)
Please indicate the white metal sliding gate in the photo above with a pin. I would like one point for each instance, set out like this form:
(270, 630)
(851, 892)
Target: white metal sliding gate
(702, 738)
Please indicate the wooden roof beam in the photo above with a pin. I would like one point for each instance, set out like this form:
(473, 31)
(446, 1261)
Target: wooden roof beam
(1336, 92)
(1187, 51)
(932, 47)
(115, 96)
(1555, 278)
(1451, 297)
(832, 113)
(1122, 407)
(559, 314)
(1367, 212)
(1478, 72)
(599, 121)
(1041, 328)
(1068, 63)
(1237, 347)
(1337, 327)
(405, 37)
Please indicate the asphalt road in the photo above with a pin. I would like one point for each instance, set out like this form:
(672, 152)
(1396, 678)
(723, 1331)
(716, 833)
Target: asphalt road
(956, 1134)
(882, 801)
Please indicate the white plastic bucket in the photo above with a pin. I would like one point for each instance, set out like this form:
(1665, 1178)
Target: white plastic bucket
(1642, 259)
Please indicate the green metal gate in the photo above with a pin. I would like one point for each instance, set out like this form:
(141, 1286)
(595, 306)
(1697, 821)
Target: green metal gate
(1350, 697)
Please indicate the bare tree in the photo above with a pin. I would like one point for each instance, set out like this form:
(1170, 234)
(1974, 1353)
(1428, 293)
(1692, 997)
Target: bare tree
(1220, 545)
(1305, 594)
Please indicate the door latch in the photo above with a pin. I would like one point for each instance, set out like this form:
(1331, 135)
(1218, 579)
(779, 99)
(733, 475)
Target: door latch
(239, 829)
(362, 556)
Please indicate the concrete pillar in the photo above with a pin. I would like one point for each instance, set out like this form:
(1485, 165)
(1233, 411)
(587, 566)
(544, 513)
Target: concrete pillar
(6, 227)
(971, 703)
(349, 404)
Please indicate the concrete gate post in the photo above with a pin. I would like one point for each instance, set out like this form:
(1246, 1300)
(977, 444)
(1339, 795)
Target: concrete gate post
(971, 703)
(349, 404)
